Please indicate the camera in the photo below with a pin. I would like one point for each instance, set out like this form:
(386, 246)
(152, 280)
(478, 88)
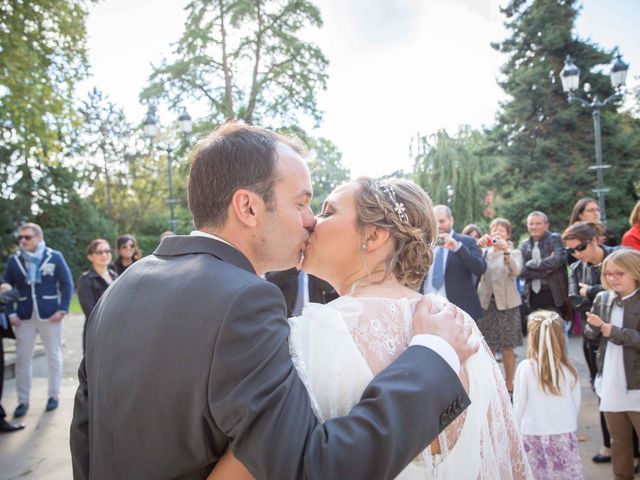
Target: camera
(494, 240)
(440, 240)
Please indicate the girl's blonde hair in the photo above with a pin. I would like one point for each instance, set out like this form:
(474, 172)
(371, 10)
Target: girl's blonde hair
(627, 260)
(547, 344)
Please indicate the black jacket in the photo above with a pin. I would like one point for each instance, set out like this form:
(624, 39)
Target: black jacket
(7, 297)
(91, 286)
(582, 272)
(287, 281)
(550, 269)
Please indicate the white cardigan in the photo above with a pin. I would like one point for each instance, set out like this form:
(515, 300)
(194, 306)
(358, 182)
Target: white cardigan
(539, 413)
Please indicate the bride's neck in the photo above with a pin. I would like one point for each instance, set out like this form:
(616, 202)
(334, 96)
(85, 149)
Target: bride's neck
(375, 285)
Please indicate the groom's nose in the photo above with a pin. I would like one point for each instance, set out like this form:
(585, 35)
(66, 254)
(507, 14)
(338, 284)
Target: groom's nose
(310, 221)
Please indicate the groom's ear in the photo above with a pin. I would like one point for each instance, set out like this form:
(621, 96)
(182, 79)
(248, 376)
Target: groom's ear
(246, 205)
(376, 237)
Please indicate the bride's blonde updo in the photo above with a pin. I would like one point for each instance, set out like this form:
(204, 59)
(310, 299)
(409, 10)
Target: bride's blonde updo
(405, 210)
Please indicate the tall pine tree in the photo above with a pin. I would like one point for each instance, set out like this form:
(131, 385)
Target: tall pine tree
(548, 144)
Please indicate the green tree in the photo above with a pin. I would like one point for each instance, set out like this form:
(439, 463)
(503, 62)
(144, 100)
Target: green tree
(545, 143)
(42, 45)
(245, 60)
(327, 171)
(450, 170)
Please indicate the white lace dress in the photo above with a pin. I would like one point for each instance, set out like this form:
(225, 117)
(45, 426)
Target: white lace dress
(338, 348)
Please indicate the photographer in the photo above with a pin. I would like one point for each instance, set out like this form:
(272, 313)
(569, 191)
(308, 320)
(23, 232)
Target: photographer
(7, 295)
(499, 296)
(457, 264)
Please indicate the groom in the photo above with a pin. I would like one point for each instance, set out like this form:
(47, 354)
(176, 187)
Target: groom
(187, 351)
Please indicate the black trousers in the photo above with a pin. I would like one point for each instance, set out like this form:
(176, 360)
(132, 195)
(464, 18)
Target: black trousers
(543, 300)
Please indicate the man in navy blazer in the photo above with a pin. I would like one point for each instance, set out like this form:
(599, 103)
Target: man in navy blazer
(43, 280)
(456, 267)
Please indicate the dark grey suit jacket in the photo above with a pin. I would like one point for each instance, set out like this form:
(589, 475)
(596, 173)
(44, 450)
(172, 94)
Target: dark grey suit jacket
(187, 354)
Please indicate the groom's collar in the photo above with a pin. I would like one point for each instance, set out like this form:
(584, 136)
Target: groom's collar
(201, 242)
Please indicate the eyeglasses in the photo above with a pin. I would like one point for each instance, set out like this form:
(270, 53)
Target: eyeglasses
(102, 252)
(128, 245)
(616, 275)
(24, 237)
(580, 248)
(591, 210)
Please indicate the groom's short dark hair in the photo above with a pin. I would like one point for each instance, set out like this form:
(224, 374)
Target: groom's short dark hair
(233, 156)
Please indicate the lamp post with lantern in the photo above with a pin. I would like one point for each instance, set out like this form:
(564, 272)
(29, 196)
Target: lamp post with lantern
(570, 78)
(150, 126)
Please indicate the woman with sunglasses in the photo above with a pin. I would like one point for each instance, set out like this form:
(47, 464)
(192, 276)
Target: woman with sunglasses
(615, 323)
(582, 241)
(96, 280)
(128, 253)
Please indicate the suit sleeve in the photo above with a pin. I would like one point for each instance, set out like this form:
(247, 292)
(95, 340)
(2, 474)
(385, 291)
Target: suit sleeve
(66, 283)
(8, 277)
(260, 403)
(79, 431)
(471, 257)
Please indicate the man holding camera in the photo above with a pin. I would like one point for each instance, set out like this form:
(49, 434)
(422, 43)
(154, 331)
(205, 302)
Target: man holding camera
(457, 264)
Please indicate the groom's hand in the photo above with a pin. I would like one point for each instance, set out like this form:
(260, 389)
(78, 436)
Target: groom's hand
(449, 324)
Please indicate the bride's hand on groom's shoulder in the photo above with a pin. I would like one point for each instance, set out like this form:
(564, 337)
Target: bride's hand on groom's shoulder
(448, 323)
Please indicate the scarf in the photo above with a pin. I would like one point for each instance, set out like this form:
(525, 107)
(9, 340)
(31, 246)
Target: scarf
(34, 275)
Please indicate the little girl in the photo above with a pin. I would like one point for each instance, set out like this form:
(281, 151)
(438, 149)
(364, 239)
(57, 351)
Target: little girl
(615, 321)
(546, 401)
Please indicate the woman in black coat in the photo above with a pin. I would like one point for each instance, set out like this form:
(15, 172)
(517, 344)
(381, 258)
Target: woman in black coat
(96, 280)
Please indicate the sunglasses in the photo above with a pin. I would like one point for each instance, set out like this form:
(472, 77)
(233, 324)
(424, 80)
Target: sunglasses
(128, 245)
(580, 248)
(24, 237)
(101, 252)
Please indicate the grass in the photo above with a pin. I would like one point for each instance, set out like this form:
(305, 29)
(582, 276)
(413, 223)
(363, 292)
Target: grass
(75, 305)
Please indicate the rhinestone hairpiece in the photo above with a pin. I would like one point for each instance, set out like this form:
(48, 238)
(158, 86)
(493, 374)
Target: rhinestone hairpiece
(398, 207)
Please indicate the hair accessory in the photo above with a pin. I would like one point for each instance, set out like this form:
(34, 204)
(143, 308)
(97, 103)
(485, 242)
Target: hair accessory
(545, 339)
(398, 207)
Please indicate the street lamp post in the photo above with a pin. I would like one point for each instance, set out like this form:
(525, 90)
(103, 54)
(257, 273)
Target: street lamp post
(150, 126)
(570, 77)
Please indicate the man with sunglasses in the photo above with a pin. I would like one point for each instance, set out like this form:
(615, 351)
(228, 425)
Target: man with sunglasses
(43, 280)
(544, 260)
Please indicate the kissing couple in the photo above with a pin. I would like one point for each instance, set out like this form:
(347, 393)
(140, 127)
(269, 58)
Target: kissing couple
(192, 369)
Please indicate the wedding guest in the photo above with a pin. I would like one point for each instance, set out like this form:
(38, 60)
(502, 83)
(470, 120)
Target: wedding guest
(7, 295)
(128, 253)
(615, 322)
(43, 279)
(472, 230)
(631, 237)
(93, 283)
(546, 401)
(499, 295)
(582, 242)
(544, 269)
(588, 210)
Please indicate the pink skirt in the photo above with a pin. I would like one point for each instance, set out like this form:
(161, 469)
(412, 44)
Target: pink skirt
(553, 457)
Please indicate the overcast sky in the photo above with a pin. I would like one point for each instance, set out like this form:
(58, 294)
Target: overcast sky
(397, 67)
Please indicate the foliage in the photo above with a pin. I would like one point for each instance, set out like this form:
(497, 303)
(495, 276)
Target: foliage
(327, 171)
(546, 143)
(246, 60)
(455, 162)
(42, 45)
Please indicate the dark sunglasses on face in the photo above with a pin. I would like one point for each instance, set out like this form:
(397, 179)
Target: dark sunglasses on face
(579, 248)
(24, 237)
(100, 252)
(128, 245)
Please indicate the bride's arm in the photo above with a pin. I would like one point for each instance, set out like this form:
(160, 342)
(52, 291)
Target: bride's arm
(229, 468)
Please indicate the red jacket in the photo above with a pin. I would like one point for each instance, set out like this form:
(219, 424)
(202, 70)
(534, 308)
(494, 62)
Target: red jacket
(631, 238)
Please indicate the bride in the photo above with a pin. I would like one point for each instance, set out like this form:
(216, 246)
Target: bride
(372, 242)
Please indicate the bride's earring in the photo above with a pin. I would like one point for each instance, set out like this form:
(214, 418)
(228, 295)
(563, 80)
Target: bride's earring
(363, 246)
